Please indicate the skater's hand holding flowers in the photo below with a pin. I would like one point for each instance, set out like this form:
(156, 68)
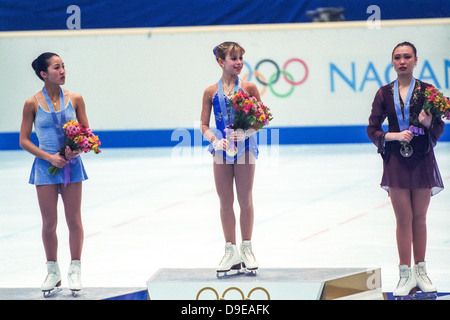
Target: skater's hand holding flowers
(237, 135)
(70, 154)
(57, 161)
(220, 144)
(425, 118)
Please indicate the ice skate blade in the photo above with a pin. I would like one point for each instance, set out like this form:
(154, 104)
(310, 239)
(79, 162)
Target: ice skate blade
(234, 267)
(76, 292)
(229, 274)
(251, 272)
(237, 273)
(233, 271)
(52, 292)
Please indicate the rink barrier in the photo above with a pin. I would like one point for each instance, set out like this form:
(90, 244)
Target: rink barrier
(219, 28)
(174, 137)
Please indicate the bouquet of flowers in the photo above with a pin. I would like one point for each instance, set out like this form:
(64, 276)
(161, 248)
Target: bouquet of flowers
(249, 110)
(77, 137)
(437, 103)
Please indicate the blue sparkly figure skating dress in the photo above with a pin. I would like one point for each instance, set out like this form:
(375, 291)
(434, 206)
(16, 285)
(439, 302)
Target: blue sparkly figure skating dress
(224, 116)
(50, 142)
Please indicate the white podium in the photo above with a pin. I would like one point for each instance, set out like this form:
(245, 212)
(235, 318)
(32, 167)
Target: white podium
(267, 284)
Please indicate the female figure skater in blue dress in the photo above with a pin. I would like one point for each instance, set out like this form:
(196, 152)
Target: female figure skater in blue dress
(48, 110)
(230, 167)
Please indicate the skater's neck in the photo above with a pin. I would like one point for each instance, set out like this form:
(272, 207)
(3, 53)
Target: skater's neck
(229, 79)
(404, 80)
(52, 89)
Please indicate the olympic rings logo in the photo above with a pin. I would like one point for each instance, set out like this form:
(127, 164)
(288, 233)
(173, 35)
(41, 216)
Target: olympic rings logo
(287, 76)
(233, 289)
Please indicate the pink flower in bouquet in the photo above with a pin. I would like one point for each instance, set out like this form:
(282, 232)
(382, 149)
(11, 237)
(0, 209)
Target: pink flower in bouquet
(72, 131)
(84, 144)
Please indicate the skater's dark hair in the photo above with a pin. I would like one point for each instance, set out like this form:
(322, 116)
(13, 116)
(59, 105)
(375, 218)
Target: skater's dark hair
(41, 63)
(406, 43)
(222, 49)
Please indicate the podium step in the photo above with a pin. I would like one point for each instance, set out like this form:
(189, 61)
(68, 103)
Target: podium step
(266, 284)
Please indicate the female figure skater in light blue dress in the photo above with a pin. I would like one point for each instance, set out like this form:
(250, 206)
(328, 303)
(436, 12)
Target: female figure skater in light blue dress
(49, 110)
(231, 166)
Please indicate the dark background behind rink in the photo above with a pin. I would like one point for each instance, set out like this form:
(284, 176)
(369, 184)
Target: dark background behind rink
(53, 15)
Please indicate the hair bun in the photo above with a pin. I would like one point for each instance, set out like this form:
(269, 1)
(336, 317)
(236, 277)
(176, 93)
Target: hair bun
(41, 63)
(34, 64)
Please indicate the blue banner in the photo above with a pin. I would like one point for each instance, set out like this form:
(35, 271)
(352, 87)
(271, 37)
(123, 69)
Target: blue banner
(88, 14)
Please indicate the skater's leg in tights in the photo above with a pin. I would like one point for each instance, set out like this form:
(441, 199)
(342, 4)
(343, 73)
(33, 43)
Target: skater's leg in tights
(71, 196)
(244, 175)
(223, 176)
(48, 201)
(420, 202)
(410, 209)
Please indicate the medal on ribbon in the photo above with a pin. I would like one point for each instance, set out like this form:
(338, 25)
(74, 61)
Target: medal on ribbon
(228, 120)
(406, 149)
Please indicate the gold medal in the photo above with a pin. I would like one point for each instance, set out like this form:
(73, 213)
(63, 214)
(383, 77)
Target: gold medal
(232, 152)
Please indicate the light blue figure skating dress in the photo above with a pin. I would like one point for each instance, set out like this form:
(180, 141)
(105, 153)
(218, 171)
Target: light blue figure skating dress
(49, 141)
(224, 116)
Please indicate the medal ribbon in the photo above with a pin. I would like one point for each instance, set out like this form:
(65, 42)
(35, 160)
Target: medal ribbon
(403, 121)
(228, 121)
(58, 125)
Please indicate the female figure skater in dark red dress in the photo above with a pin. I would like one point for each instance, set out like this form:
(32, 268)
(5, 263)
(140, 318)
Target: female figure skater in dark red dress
(411, 176)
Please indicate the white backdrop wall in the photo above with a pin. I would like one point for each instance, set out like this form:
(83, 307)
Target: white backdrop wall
(148, 79)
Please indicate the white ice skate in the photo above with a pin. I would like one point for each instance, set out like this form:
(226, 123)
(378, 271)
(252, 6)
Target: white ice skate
(423, 282)
(74, 276)
(52, 283)
(247, 256)
(231, 260)
(406, 283)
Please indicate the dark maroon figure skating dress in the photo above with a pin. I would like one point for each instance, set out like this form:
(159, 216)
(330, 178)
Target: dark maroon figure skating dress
(421, 169)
